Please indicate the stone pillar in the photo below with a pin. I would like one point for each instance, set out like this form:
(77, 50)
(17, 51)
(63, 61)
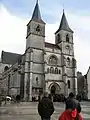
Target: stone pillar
(65, 85)
(30, 88)
(25, 85)
(44, 82)
(75, 79)
(31, 75)
(26, 75)
(64, 73)
(75, 76)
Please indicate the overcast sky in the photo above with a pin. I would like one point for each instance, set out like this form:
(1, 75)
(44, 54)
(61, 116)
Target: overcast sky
(15, 14)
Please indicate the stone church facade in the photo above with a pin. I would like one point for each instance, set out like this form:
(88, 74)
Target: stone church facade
(44, 66)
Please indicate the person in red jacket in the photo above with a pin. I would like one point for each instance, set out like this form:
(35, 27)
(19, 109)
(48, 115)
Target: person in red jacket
(71, 113)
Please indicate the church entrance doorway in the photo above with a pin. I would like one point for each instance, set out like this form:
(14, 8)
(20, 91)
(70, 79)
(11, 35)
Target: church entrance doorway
(53, 89)
(55, 93)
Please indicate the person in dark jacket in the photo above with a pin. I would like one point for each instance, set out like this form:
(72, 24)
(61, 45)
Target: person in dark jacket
(76, 103)
(45, 107)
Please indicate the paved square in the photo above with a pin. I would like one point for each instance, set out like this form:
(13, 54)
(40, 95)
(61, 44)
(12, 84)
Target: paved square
(28, 111)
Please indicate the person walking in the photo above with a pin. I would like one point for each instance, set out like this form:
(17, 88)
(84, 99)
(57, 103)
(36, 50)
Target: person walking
(70, 113)
(45, 107)
(75, 102)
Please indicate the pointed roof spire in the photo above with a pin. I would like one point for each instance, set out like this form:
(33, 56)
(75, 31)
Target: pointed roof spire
(64, 24)
(36, 13)
(37, 1)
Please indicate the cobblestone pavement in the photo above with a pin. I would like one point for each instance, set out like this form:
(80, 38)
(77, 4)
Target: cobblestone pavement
(28, 111)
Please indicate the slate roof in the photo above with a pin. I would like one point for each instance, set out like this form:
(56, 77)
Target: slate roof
(36, 14)
(10, 58)
(49, 45)
(64, 24)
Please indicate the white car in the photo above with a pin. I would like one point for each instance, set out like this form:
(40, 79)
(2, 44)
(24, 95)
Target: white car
(8, 98)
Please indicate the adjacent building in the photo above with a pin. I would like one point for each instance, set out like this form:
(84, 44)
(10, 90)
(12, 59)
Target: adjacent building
(82, 86)
(87, 81)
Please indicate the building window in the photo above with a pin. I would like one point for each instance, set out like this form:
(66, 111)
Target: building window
(67, 38)
(48, 70)
(51, 70)
(56, 70)
(69, 84)
(73, 62)
(36, 80)
(59, 71)
(58, 38)
(68, 61)
(53, 60)
(67, 47)
(35, 89)
(6, 68)
(38, 28)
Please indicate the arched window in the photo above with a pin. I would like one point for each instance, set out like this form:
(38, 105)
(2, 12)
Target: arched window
(73, 62)
(53, 60)
(59, 71)
(6, 68)
(38, 28)
(48, 70)
(58, 38)
(68, 84)
(51, 70)
(68, 60)
(36, 80)
(67, 38)
(56, 70)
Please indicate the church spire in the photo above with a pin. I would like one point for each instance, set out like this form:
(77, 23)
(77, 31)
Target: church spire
(37, 1)
(64, 24)
(36, 14)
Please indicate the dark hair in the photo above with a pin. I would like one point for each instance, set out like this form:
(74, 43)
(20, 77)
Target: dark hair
(77, 117)
(71, 95)
(70, 104)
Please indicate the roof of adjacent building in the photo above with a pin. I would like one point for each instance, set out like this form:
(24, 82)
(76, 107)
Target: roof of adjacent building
(50, 45)
(36, 14)
(10, 58)
(64, 24)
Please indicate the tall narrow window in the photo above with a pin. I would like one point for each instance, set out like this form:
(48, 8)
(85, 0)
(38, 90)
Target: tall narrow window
(59, 71)
(68, 61)
(56, 70)
(58, 38)
(73, 62)
(6, 68)
(36, 80)
(68, 84)
(51, 70)
(48, 70)
(67, 38)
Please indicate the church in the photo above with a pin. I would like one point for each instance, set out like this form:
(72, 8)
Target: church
(44, 67)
